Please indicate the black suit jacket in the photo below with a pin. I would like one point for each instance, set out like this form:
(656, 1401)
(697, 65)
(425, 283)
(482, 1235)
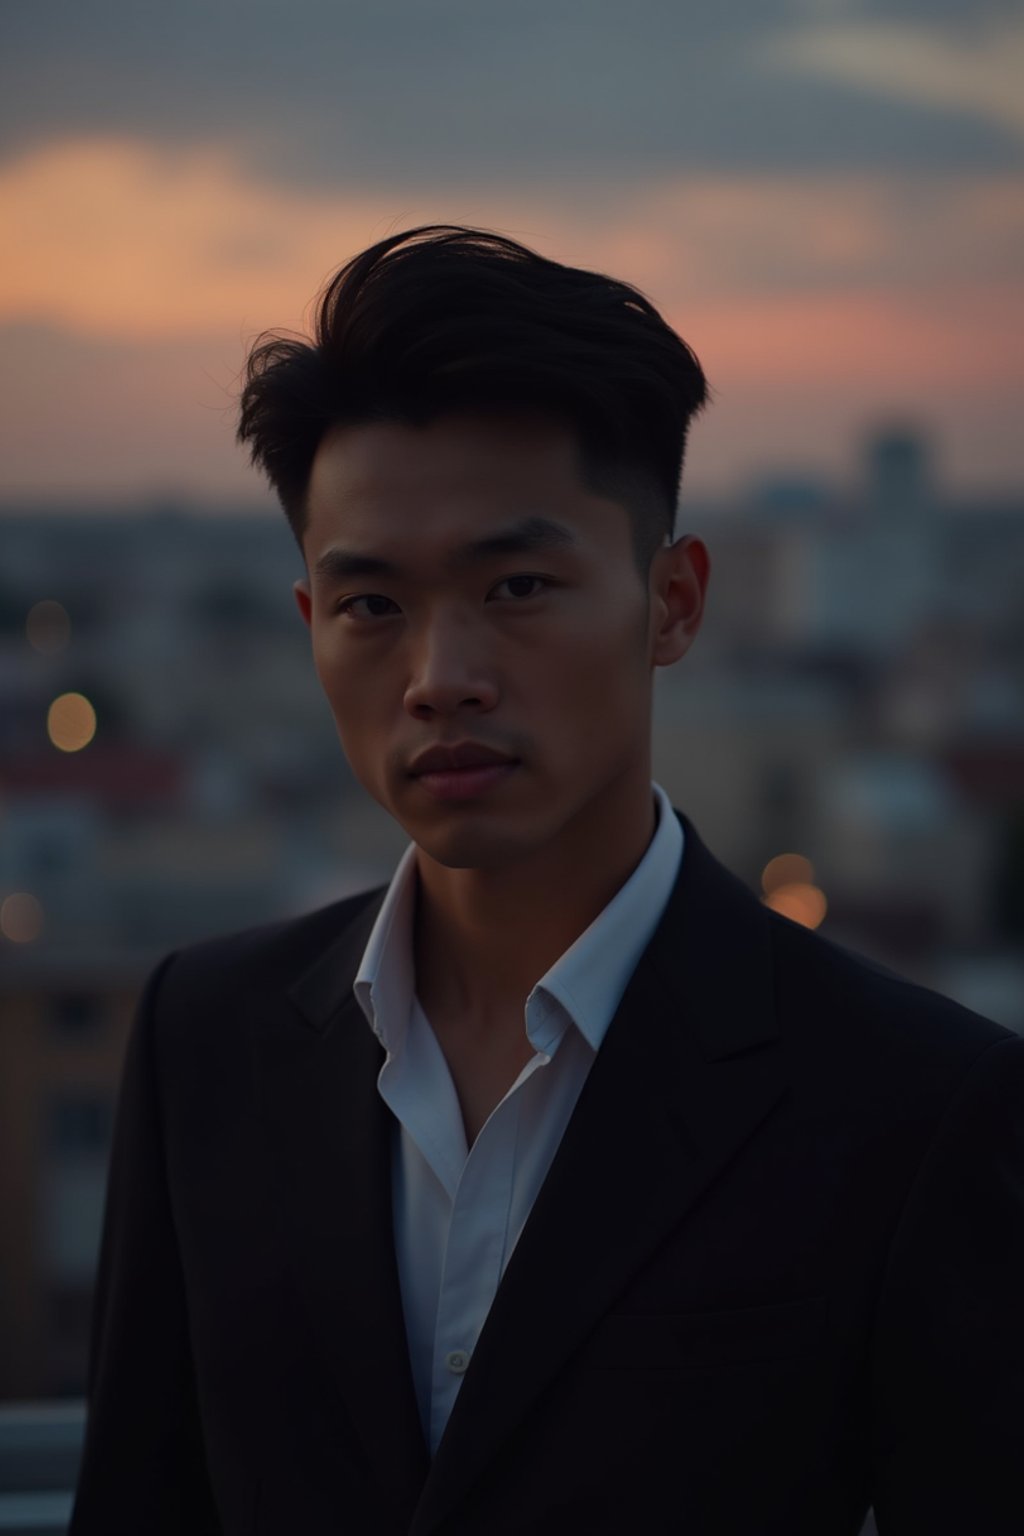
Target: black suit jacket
(775, 1274)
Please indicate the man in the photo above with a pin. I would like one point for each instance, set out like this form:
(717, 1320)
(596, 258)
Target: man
(560, 1187)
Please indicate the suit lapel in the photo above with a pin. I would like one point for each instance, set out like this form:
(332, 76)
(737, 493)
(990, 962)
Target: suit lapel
(330, 1136)
(689, 1069)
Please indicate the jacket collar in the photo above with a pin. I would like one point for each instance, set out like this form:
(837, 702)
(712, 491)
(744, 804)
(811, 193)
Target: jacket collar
(329, 1138)
(324, 989)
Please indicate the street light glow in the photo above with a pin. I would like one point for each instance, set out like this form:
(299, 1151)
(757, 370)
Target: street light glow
(71, 722)
(21, 917)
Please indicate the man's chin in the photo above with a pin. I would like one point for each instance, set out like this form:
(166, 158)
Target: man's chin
(468, 847)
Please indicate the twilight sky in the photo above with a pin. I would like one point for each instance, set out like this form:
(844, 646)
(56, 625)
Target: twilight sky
(825, 197)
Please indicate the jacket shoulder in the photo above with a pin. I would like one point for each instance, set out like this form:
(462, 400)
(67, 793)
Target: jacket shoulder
(241, 969)
(828, 1003)
(870, 1020)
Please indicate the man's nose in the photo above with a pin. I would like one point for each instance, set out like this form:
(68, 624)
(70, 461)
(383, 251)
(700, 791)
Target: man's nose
(450, 671)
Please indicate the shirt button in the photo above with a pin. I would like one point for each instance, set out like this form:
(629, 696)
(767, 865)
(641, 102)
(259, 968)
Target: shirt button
(457, 1361)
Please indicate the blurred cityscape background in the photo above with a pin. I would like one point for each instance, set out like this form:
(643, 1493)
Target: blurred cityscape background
(823, 196)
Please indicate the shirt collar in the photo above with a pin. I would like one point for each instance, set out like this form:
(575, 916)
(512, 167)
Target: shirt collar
(386, 980)
(584, 985)
(588, 980)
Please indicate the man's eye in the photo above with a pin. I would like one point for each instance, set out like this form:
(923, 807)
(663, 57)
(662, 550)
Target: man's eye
(519, 586)
(368, 605)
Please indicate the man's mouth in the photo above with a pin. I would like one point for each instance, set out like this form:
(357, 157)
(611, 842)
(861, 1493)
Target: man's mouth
(462, 771)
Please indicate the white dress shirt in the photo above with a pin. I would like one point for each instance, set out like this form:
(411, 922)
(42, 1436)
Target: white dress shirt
(458, 1212)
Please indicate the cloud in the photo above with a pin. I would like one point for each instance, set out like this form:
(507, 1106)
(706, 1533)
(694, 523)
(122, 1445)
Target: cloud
(137, 274)
(115, 237)
(977, 71)
(120, 238)
(336, 93)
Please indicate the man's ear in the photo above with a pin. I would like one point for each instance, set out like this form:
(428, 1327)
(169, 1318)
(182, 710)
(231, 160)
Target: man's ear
(304, 600)
(678, 584)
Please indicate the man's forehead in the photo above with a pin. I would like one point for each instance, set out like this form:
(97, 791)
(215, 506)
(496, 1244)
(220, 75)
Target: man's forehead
(447, 488)
(373, 459)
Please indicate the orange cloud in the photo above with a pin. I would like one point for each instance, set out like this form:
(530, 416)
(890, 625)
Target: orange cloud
(119, 238)
(900, 342)
(812, 301)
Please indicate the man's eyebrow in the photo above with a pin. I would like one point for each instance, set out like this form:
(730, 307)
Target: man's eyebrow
(339, 564)
(529, 536)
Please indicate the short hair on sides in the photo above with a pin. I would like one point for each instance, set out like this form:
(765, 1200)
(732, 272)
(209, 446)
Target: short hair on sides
(445, 318)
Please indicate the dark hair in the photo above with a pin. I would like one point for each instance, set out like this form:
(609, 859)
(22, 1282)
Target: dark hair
(444, 318)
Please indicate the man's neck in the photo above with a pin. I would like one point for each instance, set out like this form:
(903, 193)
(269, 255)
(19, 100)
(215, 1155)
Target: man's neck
(485, 937)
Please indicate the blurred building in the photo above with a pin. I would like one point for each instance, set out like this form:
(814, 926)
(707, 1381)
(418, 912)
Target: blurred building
(62, 1039)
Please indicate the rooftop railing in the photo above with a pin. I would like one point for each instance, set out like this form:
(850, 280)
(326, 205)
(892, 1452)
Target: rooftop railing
(40, 1448)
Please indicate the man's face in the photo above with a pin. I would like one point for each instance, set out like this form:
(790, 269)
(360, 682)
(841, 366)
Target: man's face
(469, 598)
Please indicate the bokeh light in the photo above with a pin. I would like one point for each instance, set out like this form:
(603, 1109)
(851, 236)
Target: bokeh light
(71, 722)
(801, 902)
(48, 627)
(786, 869)
(21, 918)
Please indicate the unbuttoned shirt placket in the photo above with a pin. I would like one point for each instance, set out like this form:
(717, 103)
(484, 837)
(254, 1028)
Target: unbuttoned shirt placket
(475, 1189)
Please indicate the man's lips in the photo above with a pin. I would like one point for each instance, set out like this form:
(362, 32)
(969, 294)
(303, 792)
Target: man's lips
(463, 756)
(461, 772)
